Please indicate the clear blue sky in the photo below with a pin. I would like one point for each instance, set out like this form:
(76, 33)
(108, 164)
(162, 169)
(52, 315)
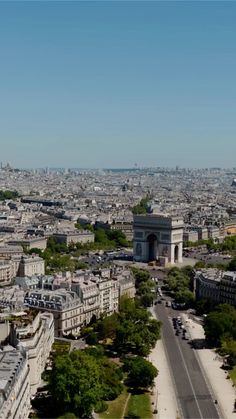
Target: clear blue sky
(111, 84)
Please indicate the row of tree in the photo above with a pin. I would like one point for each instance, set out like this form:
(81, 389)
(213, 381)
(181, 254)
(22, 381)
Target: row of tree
(220, 331)
(4, 195)
(145, 287)
(228, 244)
(105, 236)
(179, 283)
(231, 266)
(130, 331)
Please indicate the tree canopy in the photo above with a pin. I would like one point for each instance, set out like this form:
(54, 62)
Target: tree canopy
(180, 284)
(141, 373)
(4, 195)
(79, 381)
(142, 207)
(220, 324)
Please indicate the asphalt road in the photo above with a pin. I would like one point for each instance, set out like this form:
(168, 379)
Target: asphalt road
(192, 392)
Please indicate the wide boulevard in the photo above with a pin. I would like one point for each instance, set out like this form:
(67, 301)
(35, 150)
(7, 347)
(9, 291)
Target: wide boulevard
(193, 394)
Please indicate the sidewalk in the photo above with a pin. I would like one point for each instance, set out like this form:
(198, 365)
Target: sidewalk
(163, 397)
(215, 376)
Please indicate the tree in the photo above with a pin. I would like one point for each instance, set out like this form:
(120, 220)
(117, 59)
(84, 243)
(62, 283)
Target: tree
(142, 207)
(184, 296)
(232, 265)
(4, 195)
(75, 383)
(220, 324)
(146, 299)
(228, 347)
(118, 236)
(92, 339)
(141, 373)
(106, 327)
(137, 332)
(111, 376)
(140, 276)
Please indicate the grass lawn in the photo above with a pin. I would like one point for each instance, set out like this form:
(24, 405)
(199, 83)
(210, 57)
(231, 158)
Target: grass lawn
(232, 374)
(140, 405)
(115, 407)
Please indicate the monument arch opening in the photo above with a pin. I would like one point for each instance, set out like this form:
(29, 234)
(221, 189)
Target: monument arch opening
(152, 247)
(176, 256)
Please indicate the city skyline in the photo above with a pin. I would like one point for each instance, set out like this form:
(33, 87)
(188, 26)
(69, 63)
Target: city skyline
(114, 84)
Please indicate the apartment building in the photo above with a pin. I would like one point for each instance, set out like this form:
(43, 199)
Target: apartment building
(5, 273)
(34, 332)
(228, 288)
(125, 226)
(190, 236)
(30, 243)
(126, 287)
(31, 265)
(88, 292)
(9, 251)
(74, 236)
(108, 295)
(14, 385)
(207, 283)
(216, 285)
(27, 283)
(11, 298)
(66, 307)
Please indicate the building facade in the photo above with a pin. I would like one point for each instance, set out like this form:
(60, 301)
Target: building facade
(216, 285)
(76, 236)
(30, 266)
(14, 385)
(66, 307)
(35, 333)
(5, 273)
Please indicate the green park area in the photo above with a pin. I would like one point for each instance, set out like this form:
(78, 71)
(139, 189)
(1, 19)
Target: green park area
(139, 406)
(112, 376)
(116, 408)
(129, 405)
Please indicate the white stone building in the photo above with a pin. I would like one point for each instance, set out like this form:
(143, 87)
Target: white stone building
(66, 307)
(35, 333)
(14, 385)
(31, 265)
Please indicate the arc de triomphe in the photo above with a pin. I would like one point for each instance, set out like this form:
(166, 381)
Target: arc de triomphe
(158, 236)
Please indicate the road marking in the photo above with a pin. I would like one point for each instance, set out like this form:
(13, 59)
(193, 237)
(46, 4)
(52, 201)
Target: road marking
(189, 378)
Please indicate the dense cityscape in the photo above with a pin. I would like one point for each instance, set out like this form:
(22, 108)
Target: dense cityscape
(83, 252)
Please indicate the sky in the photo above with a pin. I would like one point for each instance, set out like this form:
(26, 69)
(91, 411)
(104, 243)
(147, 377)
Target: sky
(118, 83)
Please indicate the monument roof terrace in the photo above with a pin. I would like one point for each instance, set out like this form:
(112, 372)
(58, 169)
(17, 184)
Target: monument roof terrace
(160, 220)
